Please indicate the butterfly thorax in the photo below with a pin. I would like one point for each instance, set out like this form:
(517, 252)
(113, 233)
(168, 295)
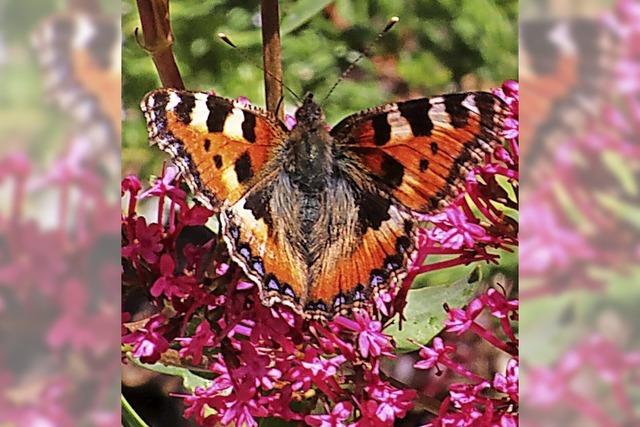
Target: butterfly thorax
(310, 143)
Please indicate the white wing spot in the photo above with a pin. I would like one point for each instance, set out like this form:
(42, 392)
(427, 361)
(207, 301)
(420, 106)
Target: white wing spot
(233, 124)
(200, 111)
(470, 103)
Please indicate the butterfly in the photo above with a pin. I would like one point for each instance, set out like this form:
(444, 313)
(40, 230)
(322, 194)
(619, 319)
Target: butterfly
(79, 56)
(322, 220)
(565, 73)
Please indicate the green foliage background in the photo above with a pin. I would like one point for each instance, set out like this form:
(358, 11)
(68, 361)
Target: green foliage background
(438, 46)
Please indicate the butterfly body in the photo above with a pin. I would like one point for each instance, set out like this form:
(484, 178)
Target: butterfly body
(321, 219)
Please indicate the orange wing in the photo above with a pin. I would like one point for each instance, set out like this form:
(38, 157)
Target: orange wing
(374, 257)
(359, 243)
(220, 145)
(420, 151)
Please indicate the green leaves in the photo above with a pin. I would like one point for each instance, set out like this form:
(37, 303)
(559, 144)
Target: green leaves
(425, 314)
(189, 380)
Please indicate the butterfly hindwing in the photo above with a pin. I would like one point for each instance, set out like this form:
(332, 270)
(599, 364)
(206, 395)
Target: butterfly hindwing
(357, 243)
(421, 150)
(366, 259)
(221, 145)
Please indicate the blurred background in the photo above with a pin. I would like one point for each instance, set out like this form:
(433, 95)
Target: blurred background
(59, 213)
(579, 232)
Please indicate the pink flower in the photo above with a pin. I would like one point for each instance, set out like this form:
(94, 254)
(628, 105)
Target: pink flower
(453, 229)
(193, 347)
(340, 413)
(148, 342)
(392, 402)
(498, 304)
(371, 340)
(465, 394)
(144, 241)
(241, 413)
(289, 121)
(432, 355)
(196, 215)
(168, 284)
(460, 320)
(164, 187)
(130, 184)
(324, 368)
(508, 383)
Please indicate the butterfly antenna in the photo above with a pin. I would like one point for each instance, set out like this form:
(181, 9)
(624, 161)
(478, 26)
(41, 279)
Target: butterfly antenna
(225, 38)
(364, 53)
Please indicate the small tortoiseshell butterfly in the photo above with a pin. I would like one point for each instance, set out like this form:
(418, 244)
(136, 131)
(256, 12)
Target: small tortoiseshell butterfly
(320, 220)
(79, 55)
(565, 73)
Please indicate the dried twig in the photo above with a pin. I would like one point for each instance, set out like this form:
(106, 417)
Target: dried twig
(272, 55)
(158, 39)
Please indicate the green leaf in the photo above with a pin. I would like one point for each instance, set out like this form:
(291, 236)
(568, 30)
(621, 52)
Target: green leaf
(130, 418)
(425, 314)
(189, 380)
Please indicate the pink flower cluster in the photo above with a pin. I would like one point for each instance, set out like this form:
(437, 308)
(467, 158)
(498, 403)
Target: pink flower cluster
(264, 359)
(478, 401)
(58, 304)
(610, 372)
(269, 362)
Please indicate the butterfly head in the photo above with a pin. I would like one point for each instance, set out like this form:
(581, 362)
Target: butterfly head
(310, 113)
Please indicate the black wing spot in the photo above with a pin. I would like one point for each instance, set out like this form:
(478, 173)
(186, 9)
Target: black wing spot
(207, 144)
(393, 171)
(185, 107)
(434, 148)
(393, 262)
(249, 127)
(416, 112)
(218, 112)
(402, 244)
(258, 203)
(244, 170)
(217, 160)
(381, 129)
(424, 165)
(373, 210)
(458, 113)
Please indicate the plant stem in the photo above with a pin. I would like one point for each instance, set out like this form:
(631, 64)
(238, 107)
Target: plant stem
(271, 53)
(158, 39)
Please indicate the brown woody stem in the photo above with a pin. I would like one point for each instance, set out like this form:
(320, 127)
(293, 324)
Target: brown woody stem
(158, 39)
(272, 58)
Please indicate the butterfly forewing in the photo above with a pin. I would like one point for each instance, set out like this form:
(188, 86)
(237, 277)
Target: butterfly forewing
(420, 151)
(220, 145)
